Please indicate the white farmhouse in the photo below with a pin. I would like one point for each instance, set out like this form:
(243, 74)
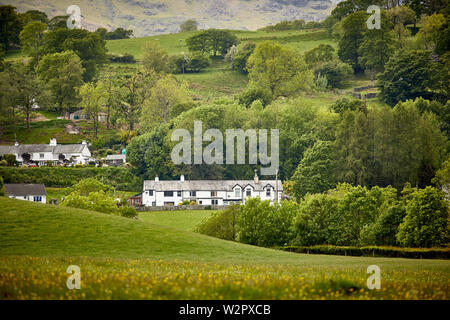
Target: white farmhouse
(209, 192)
(28, 192)
(54, 152)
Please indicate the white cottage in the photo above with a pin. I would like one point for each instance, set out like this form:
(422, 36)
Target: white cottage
(54, 152)
(26, 191)
(209, 192)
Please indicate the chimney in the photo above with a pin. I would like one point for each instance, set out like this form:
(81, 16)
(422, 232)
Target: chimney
(256, 178)
(16, 144)
(182, 178)
(52, 142)
(156, 178)
(84, 142)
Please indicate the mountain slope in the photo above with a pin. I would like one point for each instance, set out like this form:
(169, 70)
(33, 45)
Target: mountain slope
(150, 17)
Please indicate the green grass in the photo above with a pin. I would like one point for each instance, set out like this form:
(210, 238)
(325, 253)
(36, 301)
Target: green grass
(184, 219)
(58, 193)
(124, 258)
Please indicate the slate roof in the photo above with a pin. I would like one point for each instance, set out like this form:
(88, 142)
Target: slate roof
(24, 189)
(35, 148)
(115, 157)
(206, 185)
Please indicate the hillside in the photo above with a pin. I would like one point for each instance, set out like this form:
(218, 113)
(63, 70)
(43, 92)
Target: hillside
(150, 17)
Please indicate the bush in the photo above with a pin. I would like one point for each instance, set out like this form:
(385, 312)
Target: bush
(426, 221)
(128, 212)
(266, 225)
(250, 95)
(222, 224)
(336, 72)
(10, 160)
(344, 104)
(2, 190)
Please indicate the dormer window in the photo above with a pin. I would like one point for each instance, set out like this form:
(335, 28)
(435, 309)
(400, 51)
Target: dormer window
(237, 192)
(248, 192)
(268, 192)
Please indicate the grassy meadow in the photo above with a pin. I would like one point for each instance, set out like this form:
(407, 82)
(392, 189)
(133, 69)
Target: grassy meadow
(155, 257)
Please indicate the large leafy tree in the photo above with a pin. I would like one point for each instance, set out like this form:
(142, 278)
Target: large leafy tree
(279, 69)
(317, 171)
(188, 25)
(63, 74)
(10, 27)
(166, 94)
(23, 89)
(406, 76)
(213, 41)
(155, 58)
(87, 45)
(32, 40)
(377, 46)
(353, 28)
(93, 100)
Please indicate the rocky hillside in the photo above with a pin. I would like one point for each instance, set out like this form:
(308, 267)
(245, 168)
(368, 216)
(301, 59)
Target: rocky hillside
(149, 17)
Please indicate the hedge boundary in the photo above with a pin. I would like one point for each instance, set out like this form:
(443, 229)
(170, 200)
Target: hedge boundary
(61, 177)
(373, 251)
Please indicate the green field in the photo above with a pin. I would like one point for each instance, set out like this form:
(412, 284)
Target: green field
(140, 259)
(184, 219)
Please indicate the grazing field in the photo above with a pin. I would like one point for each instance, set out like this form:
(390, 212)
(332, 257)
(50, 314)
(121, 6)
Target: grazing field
(121, 258)
(184, 219)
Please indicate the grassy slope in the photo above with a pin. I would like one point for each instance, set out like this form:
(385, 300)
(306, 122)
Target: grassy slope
(184, 220)
(123, 258)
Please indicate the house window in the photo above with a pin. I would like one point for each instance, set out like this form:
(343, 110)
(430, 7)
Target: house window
(150, 193)
(193, 193)
(268, 192)
(168, 193)
(237, 192)
(200, 202)
(215, 202)
(213, 193)
(37, 198)
(178, 193)
(154, 204)
(248, 192)
(41, 155)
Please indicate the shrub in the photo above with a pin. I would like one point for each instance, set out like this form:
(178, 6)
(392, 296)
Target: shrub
(2, 190)
(250, 95)
(263, 224)
(128, 212)
(222, 224)
(336, 72)
(10, 159)
(86, 186)
(426, 221)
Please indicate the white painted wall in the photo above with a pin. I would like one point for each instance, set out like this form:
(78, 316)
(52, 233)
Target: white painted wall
(30, 198)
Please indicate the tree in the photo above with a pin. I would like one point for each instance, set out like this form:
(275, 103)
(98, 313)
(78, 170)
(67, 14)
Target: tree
(131, 96)
(31, 38)
(406, 76)
(24, 89)
(188, 25)
(166, 93)
(10, 27)
(63, 74)
(317, 170)
(377, 46)
(344, 104)
(240, 59)
(322, 53)
(400, 17)
(34, 15)
(353, 27)
(87, 45)
(155, 58)
(213, 41)
(429, 34)
(336, 72)
(198, 62)
(426, 221)
(93, 99)
(278, 69)
(222, 224)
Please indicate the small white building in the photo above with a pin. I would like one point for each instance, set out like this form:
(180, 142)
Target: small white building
(209, 192)
(54, 152)
(26, 191)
